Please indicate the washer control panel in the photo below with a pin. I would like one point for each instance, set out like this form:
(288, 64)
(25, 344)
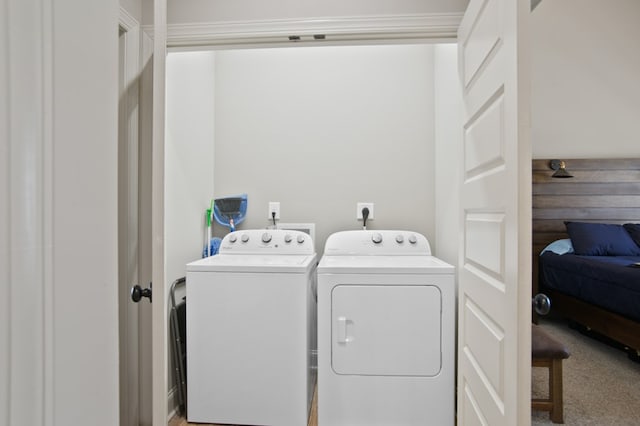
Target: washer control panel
(267, 241)
(384, 242)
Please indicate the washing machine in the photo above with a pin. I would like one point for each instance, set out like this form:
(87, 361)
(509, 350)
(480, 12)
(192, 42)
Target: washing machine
(251, 330)
(386, 314)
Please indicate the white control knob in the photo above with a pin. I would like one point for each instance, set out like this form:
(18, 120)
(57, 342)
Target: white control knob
(233, 238)
(288, 238)
(244, 238)
(300, 239)
(399, 239)
(413, 239)
(266, 237)
(376, 238)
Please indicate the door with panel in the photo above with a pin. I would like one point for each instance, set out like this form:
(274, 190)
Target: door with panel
(494, 260)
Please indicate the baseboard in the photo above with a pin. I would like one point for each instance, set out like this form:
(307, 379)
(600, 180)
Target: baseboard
(172, 404)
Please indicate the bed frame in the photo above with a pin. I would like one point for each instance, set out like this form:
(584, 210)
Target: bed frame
(602, 190)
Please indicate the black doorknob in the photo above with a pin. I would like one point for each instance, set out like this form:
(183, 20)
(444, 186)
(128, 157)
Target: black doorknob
(137, 293)
(541, 304)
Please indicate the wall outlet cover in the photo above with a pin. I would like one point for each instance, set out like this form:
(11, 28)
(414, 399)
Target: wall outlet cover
(274, 206)
(360, 206)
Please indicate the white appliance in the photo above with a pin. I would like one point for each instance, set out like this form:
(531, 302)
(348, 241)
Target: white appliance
(251, 330)
(386, 311)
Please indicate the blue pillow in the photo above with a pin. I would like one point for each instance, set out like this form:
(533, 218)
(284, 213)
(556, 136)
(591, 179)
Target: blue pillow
(559, 247)
(634, 230)
(601, 239)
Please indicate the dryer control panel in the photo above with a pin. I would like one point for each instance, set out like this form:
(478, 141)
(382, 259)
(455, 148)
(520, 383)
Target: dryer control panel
(377, 243)
(267, 241)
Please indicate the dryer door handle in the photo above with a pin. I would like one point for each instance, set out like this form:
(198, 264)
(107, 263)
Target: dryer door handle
(342, 330)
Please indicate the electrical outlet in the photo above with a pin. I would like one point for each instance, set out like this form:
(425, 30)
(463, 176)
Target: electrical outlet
(274, 207)
(360, 206)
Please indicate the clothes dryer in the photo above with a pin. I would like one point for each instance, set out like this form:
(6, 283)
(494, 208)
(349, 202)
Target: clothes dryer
(251, 330)
(386, 312)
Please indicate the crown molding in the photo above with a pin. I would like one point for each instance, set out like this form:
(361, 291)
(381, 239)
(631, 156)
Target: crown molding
(126, 20)
(416, 27)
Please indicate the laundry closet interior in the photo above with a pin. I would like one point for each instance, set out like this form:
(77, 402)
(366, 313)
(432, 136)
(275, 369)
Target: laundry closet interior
(317, 128)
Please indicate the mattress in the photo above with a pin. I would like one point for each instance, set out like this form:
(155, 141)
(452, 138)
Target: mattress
(605, 281)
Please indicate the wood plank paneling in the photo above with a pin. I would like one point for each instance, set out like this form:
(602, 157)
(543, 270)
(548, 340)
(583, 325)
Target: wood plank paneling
(586, 214)
(590, 164)
(577, 201)
(590, 176)
(602, 190)
(584, 188)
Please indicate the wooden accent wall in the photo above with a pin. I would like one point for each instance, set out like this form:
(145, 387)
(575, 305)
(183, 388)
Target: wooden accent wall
(602, 190)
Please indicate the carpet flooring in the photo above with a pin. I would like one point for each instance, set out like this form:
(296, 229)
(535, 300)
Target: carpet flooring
(601, 384)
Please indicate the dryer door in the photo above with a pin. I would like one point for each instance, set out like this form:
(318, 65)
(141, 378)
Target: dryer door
(386, 330)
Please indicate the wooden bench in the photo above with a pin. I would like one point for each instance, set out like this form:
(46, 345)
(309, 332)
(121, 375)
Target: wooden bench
(548, 352)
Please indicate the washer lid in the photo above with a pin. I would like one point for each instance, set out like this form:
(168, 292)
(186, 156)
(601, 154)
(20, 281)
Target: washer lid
(384, 265)
(254, 263)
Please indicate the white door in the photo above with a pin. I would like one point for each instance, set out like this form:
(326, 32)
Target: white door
(131, 365)
(127, 253)
(494, 281)
(377, 337)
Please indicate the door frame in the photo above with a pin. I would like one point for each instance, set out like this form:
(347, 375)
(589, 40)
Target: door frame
(348, 30)
(159, 309)
(354, 30)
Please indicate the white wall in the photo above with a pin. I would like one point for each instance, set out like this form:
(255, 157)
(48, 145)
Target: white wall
(448, 151)
(189, 156)
(585, 87)
(184, 11)
(85, 267)
(319, 129)
(58, 220)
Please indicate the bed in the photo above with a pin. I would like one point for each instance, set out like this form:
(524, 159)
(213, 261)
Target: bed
(586, 243)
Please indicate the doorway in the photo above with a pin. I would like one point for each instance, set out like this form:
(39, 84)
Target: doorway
(479, 56)
(347, 86)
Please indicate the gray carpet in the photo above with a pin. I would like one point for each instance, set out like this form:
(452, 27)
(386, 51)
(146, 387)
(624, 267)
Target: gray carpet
(601, 384)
